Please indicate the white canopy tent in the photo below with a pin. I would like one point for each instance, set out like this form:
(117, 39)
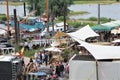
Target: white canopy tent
(101, 52)
(95, 69)
(107, 69)
(87, 69)
(83, 33)
(112, 24)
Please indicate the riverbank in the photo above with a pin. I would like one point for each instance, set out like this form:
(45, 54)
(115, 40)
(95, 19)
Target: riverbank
(74, 2)
(96, 2)
(11, 3)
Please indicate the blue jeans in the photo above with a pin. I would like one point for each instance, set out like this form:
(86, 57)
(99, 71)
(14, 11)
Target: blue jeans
(61, 74)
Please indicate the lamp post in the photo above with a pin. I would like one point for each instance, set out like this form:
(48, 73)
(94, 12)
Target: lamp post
(7, 8)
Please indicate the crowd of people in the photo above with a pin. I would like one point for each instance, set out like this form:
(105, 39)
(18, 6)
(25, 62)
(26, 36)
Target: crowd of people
(58, 68)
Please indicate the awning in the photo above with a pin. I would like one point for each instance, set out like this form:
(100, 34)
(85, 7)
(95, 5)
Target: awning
(101, 28)
(100, 52)
(83, 33)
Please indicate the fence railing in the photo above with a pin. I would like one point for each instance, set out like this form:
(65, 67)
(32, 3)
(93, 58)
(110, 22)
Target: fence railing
(9, 50)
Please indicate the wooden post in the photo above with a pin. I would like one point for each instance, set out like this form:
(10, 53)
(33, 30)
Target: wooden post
(16, 28)
(47, 16)
(24, 9)
(8, 18)
(97, 70)
(64, 19)
(65, 13)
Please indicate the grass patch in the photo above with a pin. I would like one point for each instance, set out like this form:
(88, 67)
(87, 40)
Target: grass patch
(78, 13)
(30, 53)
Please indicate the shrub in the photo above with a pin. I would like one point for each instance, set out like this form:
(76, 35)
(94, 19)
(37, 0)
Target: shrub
(92, 19)
(3, 17)
(61, 18)
(104, 20)
(74, 24)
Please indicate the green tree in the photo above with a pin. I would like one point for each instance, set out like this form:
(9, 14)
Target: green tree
(59, 8)
(64, 8)
(56, 8)
(38, 5)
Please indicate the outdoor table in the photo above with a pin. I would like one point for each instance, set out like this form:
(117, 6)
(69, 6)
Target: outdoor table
(35, 75)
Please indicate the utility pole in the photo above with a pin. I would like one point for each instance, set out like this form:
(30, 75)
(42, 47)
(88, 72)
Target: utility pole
(47, 16)
(98, 13)
(8, 23)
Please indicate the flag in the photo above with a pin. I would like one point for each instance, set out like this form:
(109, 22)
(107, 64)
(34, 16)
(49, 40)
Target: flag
(21, 52)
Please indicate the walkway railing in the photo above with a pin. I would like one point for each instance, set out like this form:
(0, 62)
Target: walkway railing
(44, 42)
(9, 50)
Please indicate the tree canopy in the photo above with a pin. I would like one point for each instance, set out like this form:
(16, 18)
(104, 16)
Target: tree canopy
(56, 7)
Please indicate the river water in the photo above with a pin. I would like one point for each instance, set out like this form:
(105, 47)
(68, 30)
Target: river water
(19, 9)
(109, 11)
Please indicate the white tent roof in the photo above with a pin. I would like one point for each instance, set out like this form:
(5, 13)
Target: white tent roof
(83, 33)
(6, 58)
(60, 24)
(112, 24)
(3, 32)
(55, 43)
(115, 31)
(101, 52)
(54, 49)
(115, 41)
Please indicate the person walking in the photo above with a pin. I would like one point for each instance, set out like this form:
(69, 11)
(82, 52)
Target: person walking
(46, 59)
(57, 69)
(61, 70)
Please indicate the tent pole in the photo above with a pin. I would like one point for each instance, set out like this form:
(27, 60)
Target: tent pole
(97, 70)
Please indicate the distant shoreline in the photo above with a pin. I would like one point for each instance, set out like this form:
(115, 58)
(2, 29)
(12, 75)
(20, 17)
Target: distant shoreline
(74, 2)
(11, 3)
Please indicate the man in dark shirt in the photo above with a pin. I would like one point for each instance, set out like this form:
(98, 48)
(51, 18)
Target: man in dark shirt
(61, 69)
